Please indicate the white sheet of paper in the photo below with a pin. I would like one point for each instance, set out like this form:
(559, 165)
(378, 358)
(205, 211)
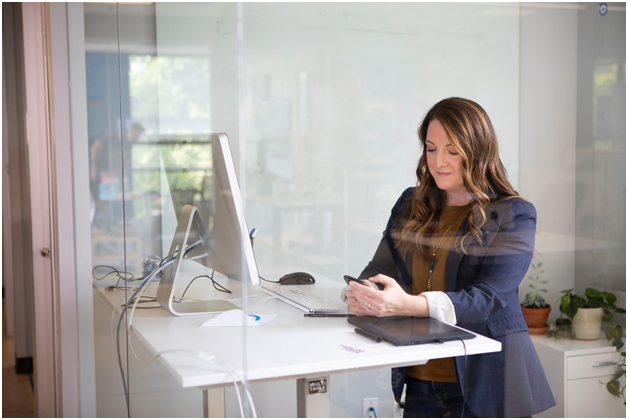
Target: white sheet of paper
(237, 318)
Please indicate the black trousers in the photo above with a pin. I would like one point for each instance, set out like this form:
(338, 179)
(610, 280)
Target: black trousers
(433, 399)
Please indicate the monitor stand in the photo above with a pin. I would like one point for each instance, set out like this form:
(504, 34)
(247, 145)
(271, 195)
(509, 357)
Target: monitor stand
(190, 231)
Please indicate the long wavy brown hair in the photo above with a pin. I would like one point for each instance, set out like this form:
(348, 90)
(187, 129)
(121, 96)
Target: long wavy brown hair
(471, 133)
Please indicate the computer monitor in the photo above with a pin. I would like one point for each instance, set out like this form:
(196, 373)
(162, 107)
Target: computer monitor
(226, 248)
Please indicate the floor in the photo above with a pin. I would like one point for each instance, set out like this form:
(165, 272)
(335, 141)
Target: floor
(17, 390)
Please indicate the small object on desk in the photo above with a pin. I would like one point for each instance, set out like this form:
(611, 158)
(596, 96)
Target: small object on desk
(149, 265)
(237, 318)
(298, 278)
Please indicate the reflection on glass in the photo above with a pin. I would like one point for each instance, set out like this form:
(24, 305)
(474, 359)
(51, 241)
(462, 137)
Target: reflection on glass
(333, 96)
(608, 222)
(185, 81)
(325, 136)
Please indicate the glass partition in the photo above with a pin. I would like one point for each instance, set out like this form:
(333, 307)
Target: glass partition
(150, 154)
(333, 96)
(601, 145)
(321, 103)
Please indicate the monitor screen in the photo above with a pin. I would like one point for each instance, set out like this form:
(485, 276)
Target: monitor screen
(225, 248)
(232, 248)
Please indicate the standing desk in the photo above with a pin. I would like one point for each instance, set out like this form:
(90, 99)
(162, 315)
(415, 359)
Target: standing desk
(292, 346)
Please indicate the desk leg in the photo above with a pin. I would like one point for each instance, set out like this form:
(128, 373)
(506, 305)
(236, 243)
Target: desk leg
(214, 403)
(313, 397)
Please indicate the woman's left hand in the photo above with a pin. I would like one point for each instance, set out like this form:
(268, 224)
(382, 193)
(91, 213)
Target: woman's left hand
(393, 300)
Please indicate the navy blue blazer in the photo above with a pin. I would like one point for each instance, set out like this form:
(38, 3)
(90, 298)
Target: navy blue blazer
(483, 285)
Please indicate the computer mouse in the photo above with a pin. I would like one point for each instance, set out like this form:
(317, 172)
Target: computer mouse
(297, 278)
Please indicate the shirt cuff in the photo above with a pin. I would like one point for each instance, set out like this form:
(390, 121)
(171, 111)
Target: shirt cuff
(343, 294)
(440, 307)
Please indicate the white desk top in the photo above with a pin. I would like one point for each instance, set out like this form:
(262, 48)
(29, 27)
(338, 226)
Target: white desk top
(291, 346)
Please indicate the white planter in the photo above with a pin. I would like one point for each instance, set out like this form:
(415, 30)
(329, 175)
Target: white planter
(587, 324)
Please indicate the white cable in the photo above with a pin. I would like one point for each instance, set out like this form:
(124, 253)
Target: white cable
(145, 281)
(235, 376)
(201, 355)
(143, 287)
(137, 299)
(117, 336)
(237, 390)
(116, 339)
(233, 372)
(113, 313)
(199, 241)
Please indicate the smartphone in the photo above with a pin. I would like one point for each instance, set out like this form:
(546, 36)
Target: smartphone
(349, 279)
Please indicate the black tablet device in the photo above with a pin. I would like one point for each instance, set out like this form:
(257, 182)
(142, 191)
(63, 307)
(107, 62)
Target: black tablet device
(406, 331)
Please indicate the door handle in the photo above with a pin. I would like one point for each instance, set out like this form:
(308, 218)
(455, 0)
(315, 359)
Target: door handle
(604, 364)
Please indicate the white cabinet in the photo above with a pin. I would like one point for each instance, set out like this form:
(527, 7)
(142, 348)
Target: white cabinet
(577, 371)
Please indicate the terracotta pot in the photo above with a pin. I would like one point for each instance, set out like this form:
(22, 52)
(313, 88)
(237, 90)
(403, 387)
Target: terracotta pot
(587, 324)
(536, 319)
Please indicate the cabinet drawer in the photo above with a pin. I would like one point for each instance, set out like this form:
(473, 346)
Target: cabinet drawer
(592, 365)
(588, 398)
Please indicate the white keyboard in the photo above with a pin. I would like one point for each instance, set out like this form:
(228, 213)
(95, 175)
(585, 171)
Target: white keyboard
(304, 301)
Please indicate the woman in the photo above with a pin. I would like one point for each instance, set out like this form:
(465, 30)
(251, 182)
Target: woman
(456, 248)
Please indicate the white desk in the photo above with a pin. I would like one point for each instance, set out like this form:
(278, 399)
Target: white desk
(292, 346)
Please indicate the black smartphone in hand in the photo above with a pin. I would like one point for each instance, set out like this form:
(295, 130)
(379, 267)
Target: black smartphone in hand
(349, 279)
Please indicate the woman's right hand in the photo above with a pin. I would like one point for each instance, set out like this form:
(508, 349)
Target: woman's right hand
(392, 300)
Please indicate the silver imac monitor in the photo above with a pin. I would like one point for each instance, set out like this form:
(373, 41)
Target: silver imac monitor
(225, 248)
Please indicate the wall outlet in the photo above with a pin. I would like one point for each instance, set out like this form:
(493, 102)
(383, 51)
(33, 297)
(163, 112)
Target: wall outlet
(370, 407)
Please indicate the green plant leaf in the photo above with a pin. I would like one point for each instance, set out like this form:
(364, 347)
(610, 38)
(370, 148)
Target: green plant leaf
(591, 292)
(564, 301)
(572, 307)
(615, 334)
(614, 388)
(579, 302)
(610, 298)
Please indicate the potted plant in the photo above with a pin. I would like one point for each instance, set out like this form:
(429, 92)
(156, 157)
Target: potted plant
(573, 306)
(535, 309)
(585, 313)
